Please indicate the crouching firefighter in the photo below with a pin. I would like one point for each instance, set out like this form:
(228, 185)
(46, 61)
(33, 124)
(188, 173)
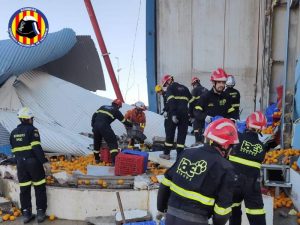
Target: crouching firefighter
(101, 121)
(247, 158)
(31, 165)
(200, 183)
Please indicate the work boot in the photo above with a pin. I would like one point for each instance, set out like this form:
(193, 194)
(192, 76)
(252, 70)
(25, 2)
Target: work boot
(41, 216)
(164, 156)
(97, 161)
(27, 215)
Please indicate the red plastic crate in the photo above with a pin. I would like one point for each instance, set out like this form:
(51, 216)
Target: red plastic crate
(129, 165)
(105, 155)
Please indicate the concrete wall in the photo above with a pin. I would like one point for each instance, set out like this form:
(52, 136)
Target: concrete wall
(195, 37)
(77, 204)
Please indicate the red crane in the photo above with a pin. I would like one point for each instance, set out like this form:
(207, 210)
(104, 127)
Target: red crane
(103, 49)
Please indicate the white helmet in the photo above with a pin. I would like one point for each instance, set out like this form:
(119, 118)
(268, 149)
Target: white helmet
(230, 80)
(140, 105)
(25, 113)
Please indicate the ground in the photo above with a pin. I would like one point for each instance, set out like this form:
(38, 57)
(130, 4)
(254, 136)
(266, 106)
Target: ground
(47, 222)
(278, 220)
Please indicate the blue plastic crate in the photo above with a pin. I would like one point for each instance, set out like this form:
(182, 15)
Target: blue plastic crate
(142, 223)
(5, 149)
(143, 154)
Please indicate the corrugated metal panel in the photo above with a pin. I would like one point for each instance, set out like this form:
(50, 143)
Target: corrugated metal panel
(63, 110)
(4, 136)
(15, 59)
(82, 59)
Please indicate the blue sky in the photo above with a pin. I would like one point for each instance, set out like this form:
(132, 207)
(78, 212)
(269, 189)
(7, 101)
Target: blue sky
(117, 20)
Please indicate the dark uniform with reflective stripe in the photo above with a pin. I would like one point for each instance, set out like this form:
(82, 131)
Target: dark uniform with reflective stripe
(26, 147)
(101, 121)
(235, 101)
(198, 186)
(198, 125)
(178, 97)
(247, 158)
(212, 104)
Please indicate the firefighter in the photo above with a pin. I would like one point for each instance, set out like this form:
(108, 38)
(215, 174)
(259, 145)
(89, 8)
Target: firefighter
(159, 90)
(138, 119)
(31, 165)
(235, 96)
(101, 121)
(178, 97)
(200, 183)
(247, 158)
(214, 102)
(197, 91)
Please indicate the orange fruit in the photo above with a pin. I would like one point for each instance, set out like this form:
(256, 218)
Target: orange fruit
(298, 221)
(104, 184)
(12, 218)
(5, 217)
(298, 214)
(16, 213)
(100, 182)
(120, 181)
(51, 217)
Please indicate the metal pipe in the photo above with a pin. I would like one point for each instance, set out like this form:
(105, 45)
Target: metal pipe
(103, 49)
(286, 57)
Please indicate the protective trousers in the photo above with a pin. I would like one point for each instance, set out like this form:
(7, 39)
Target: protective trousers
(248, 189)
(198, 130)
(105, 131)
(173, 220)
(170, 127)
(30, 171)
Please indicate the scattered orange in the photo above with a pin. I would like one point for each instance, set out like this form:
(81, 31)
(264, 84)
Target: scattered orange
(51, 217)
(12, 218)
(120, 181)
(16, 213)
(5, 217)
(100, 182)
(104, 184)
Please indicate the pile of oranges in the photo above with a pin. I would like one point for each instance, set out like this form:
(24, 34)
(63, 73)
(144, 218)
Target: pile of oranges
(272, 156)
(282, 201)
(12, 215)
(80, 163)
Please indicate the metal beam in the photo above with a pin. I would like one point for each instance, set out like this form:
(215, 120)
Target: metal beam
(151, 53)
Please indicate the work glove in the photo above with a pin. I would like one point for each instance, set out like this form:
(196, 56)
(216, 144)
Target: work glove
(160, 215)
(47, 167)
(208, 119)
(165, 115)
(175, 120)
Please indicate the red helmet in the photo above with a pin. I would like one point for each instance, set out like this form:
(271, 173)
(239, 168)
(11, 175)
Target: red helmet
(165, 79)
(219, 75)
(256, 120)
(117, 102)
(195, 80)
(222, 131)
